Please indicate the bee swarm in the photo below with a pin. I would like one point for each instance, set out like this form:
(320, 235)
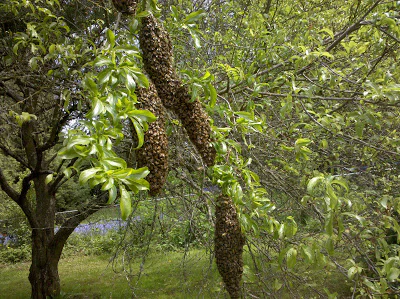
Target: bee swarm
(229, 242)
(158, 63)
(125, 6)
(158, 59)
(154, 152)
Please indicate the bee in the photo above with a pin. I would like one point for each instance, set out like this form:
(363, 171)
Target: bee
(125, 6)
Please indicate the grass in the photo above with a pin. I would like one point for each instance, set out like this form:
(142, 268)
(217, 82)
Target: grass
(164, 276)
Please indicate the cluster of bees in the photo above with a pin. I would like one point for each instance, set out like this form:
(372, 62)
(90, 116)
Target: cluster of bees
(158, 63)
(126, 6)
(168, 91)
(228, 244)
(154, 152)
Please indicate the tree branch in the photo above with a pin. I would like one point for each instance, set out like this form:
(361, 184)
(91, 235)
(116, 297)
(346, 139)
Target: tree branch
(340, 36)
(351, 28)
(26, 184)
(70, 224)
(12, 94)
(17, 158)
(348, 137)
(7, 188)
(56, 126)
(58, 180)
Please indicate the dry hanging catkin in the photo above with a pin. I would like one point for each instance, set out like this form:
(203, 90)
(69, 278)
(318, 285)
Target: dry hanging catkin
(125, 6)
(229, 242)
(158, 63)
(154, 152)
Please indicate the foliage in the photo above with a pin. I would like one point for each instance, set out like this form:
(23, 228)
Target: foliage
(15, 254)
(93, 244)
(307, 108)
(303, 97)
(110, 75)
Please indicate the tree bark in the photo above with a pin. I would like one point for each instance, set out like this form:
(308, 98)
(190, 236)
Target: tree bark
(47, 245)
(43, 274)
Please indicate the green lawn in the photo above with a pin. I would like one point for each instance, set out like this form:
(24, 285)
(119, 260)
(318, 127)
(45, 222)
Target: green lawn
(164, 276)
(93, 277)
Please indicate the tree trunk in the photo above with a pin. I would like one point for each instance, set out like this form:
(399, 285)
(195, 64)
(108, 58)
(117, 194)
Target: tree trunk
(46, 245)
(43, 274)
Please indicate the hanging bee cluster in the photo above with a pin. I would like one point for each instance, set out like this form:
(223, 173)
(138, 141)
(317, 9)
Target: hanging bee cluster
(229, 242)
(158, 60)
(169, 92)
(158, 63)
(125, 6)
(154, 152)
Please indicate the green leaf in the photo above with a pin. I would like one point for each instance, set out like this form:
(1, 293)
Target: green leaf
(302, 142)
(88, 174)
(90, 85)
(142, 14)
(48, 179)
(52, 48)
(221, 148)
(98, 108)
(68, 153)
(328, 31)
(308, 253)
(16, 46)
(143, 115)
(130, 82)
(287, 106)
(142, 80)
(332, 195)
(329, 224)
(352, 272)
(194, 16)
(108, 184)
(139, 133)
(110, 38)
(112, 194)
(196, 39)
(136, 185)
(102, 60)
(313, 183)
(246, 115)
(329, 245)
(139, 173)
(79, 140)
(341, 182)
(277, 285)
(67, 172)
(125, 203)
(359, 128)
(114, 162)
(104, 75)
(393, 274)
(290, 227)
(213, 95)
(291, 257)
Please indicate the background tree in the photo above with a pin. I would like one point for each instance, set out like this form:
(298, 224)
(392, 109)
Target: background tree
(307, 100)
(54, 92)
